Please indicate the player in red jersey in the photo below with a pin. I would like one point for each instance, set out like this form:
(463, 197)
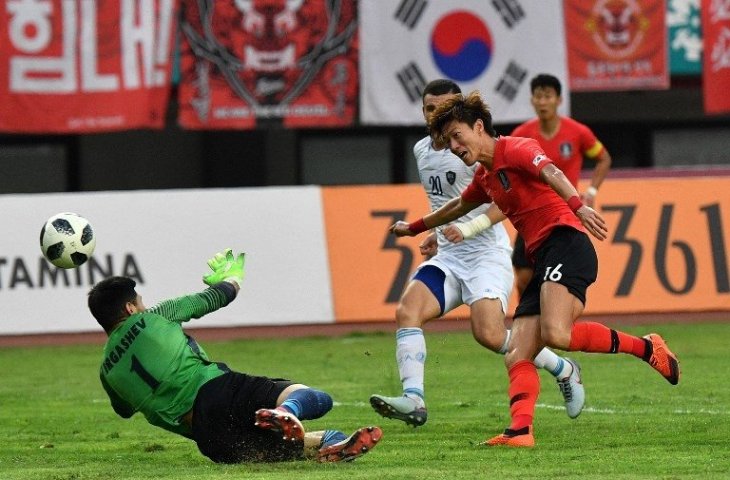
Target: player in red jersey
(544, 207)
(567, 142)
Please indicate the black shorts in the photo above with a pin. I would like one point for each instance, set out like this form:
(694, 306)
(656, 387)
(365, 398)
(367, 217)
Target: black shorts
(519, 256)
(567, 257)
(224, 416)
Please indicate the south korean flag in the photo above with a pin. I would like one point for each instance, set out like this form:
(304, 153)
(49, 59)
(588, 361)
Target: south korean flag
(493, 46)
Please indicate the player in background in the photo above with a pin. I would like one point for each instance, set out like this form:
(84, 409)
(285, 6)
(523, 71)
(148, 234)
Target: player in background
(476, 272)
(545, 209)
(567, 142)
(151, 366)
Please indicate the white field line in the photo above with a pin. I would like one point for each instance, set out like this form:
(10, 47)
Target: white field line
(605, 411)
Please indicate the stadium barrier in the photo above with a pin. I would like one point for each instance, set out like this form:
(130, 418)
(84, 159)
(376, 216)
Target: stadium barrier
(323, 255)
(667, 249)
(163, 239)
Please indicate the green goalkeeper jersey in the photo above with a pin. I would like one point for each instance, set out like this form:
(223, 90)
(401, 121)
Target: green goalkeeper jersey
(151, 366)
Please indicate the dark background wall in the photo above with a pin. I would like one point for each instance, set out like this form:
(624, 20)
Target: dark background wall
(641, 130)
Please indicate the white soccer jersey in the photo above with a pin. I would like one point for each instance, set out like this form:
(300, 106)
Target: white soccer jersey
(476, 268)
(444, 176)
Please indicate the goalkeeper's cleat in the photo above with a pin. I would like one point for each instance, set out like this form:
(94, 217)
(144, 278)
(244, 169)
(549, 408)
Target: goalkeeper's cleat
(401, 408)
(573, 392)
(661, 358)
(356, 445)
(513, 438)
(280, 421)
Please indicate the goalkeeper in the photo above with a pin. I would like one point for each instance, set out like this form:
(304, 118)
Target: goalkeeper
(151, 366)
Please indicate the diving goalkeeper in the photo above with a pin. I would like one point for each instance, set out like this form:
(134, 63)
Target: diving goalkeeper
(151, 366)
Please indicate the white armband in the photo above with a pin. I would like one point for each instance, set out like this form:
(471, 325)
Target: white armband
(592, 191)
(475, 226)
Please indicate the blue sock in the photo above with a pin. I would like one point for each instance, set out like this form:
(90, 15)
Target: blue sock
(308, 403)
(331, 437)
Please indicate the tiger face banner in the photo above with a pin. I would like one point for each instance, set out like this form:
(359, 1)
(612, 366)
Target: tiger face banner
(70, 66)
(617, 44)
(291, 62)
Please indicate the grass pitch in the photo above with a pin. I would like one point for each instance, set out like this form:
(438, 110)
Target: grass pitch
(56, 422)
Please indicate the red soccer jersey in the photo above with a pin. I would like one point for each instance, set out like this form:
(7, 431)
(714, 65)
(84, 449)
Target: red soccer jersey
(572, 141)
(514, 184)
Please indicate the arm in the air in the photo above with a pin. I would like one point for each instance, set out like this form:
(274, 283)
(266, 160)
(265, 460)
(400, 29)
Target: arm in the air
(184, 308)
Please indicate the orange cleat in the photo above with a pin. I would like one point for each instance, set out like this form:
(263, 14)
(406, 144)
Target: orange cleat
(356, 445)
(513, 438)
(280, 421)
(662, 359)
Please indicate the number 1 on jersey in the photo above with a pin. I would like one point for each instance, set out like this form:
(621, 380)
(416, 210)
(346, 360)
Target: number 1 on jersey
(144, 374)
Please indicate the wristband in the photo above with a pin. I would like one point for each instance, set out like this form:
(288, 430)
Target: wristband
(574, 203)
(418, 226)
(473, 227)
(227, 289)
(592, 191)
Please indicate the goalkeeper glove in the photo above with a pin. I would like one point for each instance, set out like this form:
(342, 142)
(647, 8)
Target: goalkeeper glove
(226, 268)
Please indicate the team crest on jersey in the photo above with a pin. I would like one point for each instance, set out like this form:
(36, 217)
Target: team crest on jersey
(504, 180)
(451, 177)
(539, 158)
(566, 150)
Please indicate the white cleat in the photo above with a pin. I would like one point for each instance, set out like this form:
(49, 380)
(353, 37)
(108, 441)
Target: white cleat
(573, 392)
(400, 408)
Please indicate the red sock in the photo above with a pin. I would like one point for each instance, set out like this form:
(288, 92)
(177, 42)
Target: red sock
(524, 387)
(597, 338)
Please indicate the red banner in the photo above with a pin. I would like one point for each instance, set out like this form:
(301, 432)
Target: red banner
(616, 44)
(84, 66)
(288, 62)
(716, 62)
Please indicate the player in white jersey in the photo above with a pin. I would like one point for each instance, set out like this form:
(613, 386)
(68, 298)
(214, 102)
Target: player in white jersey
(476, 272)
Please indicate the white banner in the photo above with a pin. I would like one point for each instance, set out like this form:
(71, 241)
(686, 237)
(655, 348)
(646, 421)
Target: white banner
(163, 239)
(495, 47)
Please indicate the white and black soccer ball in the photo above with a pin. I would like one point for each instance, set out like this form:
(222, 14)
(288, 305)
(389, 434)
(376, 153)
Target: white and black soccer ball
(67, 240)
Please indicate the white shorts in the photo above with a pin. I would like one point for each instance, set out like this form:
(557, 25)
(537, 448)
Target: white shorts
(487, 276)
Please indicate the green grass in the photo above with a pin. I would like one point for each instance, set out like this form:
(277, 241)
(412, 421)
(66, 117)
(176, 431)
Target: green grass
(56, 423)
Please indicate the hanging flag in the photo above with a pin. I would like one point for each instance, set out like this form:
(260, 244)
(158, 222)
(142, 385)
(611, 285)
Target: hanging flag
(685, 37)
(291, 62)
(84, 66)
(716, 63)
(495, 47)
(617, 44)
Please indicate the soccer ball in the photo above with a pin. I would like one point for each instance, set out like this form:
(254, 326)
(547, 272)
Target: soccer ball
(67, 240)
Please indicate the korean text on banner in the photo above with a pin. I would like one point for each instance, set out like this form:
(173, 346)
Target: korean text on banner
(247, 62)
(617, 45)
(495, 47)
(68, 66)
(716, 63)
